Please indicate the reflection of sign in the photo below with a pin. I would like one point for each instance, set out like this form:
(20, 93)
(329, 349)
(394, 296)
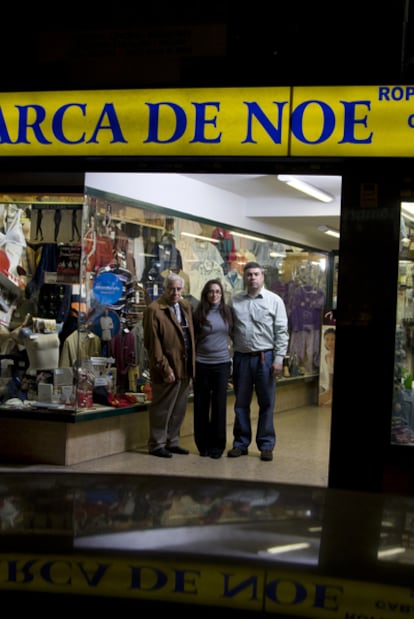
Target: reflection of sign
(107, 288)
(254, 589)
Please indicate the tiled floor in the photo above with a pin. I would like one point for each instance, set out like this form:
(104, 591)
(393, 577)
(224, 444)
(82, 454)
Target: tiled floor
(301, 455)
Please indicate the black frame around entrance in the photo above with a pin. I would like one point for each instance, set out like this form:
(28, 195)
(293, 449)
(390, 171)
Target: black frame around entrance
(361, 457)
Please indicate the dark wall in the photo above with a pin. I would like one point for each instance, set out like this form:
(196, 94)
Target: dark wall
(166, 44)
(365, 342)
(225, 44)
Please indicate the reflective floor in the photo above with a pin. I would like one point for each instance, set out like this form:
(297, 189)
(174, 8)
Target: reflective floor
(301, 455)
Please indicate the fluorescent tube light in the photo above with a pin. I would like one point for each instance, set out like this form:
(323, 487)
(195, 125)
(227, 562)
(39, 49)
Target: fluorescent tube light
(247, 236)
(390, 552)
(333, 233)
(278, 550)
(310, 190)
(199, 236)
(329, 231)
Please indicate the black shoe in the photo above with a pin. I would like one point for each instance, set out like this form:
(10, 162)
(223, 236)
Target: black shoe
(216, 454)
(204, 453)
(161, 453)
(236, 452)
(266, 455)
(178, 450)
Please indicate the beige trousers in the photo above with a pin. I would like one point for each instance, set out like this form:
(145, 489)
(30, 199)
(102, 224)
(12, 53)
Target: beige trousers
(166, 413)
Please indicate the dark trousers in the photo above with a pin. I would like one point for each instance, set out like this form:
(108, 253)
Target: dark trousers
(210, 406)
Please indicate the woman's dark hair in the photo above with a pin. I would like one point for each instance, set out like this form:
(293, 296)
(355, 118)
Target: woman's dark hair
(203, 307)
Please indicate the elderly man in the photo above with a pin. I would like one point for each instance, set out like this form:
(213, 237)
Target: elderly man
(169, 340)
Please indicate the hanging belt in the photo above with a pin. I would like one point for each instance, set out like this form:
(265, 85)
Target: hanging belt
(257, 353)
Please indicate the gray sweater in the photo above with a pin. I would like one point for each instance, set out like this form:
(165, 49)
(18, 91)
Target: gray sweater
(212, 344)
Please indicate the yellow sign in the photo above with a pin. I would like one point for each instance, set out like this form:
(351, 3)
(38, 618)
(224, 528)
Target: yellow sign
(223, 584)
(348, 121)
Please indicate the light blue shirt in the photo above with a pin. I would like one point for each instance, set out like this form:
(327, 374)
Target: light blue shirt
(260, 323)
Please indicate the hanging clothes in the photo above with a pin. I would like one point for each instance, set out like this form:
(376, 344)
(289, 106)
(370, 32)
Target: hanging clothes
(305, 314)
(123, 351)
(79, 346)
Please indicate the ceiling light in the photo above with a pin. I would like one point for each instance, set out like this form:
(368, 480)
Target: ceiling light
(247, 236)
(333, 233)
(329, 231)
(310, 190)
(199, 237)
(390, 552)
(277, 550)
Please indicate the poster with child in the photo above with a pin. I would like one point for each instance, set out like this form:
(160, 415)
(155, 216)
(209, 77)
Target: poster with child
(327, 357)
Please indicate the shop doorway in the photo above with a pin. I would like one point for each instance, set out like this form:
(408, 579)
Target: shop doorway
(251, 208)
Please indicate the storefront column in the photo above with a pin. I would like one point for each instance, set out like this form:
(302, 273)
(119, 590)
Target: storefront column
(365, 327)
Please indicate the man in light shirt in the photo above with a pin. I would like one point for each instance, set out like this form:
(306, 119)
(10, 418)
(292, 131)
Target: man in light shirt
(260, 342)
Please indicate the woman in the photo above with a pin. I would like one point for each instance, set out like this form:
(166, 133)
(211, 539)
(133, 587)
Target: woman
(213, 324)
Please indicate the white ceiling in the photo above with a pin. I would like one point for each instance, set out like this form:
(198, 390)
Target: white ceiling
(296, 216)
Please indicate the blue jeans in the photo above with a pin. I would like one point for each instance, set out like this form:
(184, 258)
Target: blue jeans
(254, 373)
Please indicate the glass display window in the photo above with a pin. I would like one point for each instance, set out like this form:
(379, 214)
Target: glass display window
(77, 271)
(149, 243)
(40, 255)
(402, 420)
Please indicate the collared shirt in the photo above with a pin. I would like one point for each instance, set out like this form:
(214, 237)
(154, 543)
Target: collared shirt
(177, 311)
(260, 323)
(182, 320)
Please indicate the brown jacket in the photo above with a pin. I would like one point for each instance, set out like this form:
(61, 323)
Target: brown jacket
(164, 340)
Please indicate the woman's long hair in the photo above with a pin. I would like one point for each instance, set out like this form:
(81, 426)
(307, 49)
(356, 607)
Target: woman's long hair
(203, 307)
